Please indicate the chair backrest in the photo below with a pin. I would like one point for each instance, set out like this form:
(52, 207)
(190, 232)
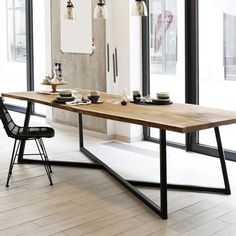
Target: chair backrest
(9, 125)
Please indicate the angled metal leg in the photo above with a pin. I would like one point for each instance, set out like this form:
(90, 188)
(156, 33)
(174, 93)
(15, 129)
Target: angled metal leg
(160, 210)
(225, 190)
(67, 163)
(26, 124)
(222, 160)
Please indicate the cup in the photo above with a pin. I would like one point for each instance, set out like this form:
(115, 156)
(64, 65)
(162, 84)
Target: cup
(137, 96)
(93, 98)
(94, 93)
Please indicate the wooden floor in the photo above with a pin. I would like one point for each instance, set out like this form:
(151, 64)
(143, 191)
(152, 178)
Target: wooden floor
(89, 202)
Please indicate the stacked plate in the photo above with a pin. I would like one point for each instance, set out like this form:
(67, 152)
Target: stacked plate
(162, 98)
(64, 96)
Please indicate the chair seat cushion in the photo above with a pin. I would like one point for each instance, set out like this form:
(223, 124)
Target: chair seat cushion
(35, 132)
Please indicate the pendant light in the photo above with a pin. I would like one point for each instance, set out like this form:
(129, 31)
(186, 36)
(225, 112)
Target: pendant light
(139, 8)
(100, 11)
(69, 14)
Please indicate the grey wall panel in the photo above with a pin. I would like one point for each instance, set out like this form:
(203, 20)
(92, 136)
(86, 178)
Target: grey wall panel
(80, 70)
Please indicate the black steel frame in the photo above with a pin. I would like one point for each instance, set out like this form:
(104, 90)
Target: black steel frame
(132, 185)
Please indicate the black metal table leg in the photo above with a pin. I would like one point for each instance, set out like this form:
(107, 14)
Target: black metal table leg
(81, 136)
(55, 162)
(26, 124)
(163, 173)
(222, 160)
(160, 210)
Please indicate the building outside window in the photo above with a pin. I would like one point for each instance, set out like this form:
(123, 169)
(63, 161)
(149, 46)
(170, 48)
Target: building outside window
(163, 35)
(167, 53)
(230, 46)
(16, 31)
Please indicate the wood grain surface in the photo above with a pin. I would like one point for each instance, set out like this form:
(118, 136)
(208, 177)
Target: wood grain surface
(182, 118)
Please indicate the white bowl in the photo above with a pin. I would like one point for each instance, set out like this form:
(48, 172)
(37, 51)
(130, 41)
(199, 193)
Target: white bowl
(163, 95)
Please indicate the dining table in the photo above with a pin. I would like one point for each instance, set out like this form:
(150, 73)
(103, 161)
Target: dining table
(176, 117)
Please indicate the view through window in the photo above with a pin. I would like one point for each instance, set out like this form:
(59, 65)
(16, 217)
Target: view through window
(217, 64)
(230, 46)
(13, 47)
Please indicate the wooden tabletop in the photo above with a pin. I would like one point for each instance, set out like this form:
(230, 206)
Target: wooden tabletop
(182, 118)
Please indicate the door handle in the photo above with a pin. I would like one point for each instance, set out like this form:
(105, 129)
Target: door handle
(108, 58)
(114, 68)
(116, 62)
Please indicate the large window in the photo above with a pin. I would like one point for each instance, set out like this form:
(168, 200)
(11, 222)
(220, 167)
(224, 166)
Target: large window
(200, 69)
(24, 47)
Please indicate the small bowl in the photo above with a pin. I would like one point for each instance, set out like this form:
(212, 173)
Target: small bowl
(163, 95)
(93, 98)
(65, 93)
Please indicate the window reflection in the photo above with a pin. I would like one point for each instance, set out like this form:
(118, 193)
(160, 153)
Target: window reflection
(163, 27)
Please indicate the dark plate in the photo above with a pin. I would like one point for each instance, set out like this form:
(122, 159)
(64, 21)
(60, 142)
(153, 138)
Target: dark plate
(65, 99)
(98, 102)
(159, 102)
(57, 101)
(153, 103)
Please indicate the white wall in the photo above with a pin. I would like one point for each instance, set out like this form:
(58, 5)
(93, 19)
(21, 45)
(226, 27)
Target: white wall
(124, 33)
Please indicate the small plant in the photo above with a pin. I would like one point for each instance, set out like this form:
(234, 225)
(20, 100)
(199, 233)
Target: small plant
(47, 79)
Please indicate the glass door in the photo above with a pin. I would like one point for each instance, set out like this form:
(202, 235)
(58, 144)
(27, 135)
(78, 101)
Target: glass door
(167, 54)
(217, 65)
(13, 73)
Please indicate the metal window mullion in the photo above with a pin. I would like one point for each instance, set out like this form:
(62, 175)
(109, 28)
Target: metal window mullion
(191, 62)
(29, 44)
(146, 61)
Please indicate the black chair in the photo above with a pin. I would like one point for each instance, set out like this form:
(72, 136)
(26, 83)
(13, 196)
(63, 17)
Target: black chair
(22, 134)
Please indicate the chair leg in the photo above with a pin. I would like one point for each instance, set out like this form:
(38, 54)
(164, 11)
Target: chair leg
(45, 153)
(41, 153)
(13, 158)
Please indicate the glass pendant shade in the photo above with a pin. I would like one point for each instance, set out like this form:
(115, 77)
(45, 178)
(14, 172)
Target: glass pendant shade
(139, 8)
(100, 11)
(69, 14)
